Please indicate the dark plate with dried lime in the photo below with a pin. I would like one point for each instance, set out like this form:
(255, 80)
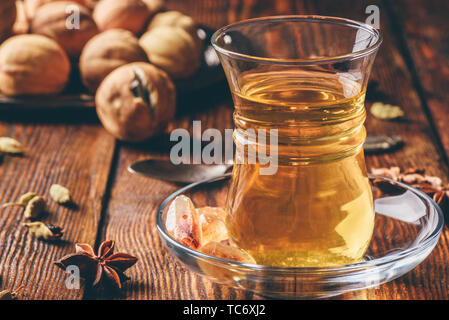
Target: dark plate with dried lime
(76, 96)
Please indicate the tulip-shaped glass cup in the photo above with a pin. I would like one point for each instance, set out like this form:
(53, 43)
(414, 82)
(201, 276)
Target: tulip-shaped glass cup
(299, 194)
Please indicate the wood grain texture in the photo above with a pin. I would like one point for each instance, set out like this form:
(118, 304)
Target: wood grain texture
(75, 155)
(426, 44)
(130, 220)
(134, 200)
(396, 85)
(79, 154)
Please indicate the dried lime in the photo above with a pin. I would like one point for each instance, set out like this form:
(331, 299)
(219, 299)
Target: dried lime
(23, 200)
(11, 146)
(44, 231)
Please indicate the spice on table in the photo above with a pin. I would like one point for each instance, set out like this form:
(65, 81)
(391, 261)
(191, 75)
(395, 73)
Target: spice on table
(414, 170)
(60, 194)
(10, 145)
(103, 269)
(386, 111)
(44, 231)
(34, 208)
(33, 203)
(442, 199)
(9, 294)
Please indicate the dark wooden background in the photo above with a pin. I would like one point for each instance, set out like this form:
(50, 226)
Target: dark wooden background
(411, 70)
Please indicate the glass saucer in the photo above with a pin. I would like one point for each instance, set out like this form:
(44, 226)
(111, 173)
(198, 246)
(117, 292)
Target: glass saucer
(407, 227)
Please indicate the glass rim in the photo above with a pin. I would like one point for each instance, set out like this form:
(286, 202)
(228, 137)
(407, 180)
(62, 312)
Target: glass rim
(303, 18)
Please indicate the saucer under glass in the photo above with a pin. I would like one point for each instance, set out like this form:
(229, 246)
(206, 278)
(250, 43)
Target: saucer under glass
(407, 227)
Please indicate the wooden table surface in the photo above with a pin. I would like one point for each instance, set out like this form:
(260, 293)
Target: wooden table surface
(411, 70)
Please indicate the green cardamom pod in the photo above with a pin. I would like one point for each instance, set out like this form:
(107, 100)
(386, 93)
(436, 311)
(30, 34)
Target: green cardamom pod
(6, 295)
(11, 146)
(23, 200)
(60, 194)
(10, 294)
(44, 231)
(386, 111)
(34, 207)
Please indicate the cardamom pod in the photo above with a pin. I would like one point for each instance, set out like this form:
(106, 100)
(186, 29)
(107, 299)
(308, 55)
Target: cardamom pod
(386, 111)
(34, 207)
(23, 200)
(44, 231)
(60, 194)
(10, 145)
(9, 294)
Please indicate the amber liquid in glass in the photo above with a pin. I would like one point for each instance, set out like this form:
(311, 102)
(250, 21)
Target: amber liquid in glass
(317, 209)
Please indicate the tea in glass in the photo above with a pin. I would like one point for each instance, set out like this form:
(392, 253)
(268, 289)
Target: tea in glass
(317, 209)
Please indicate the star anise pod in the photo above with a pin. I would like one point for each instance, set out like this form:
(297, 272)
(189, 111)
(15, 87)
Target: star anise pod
(103, 269)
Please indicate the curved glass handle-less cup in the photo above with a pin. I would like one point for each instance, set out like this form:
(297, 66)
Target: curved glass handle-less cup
(298, 84)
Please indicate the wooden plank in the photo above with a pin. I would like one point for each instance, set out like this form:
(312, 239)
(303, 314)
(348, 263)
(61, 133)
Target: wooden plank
(75, 154)
(134, 200)
(217, 13)
(130, 221)
(423, 34)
